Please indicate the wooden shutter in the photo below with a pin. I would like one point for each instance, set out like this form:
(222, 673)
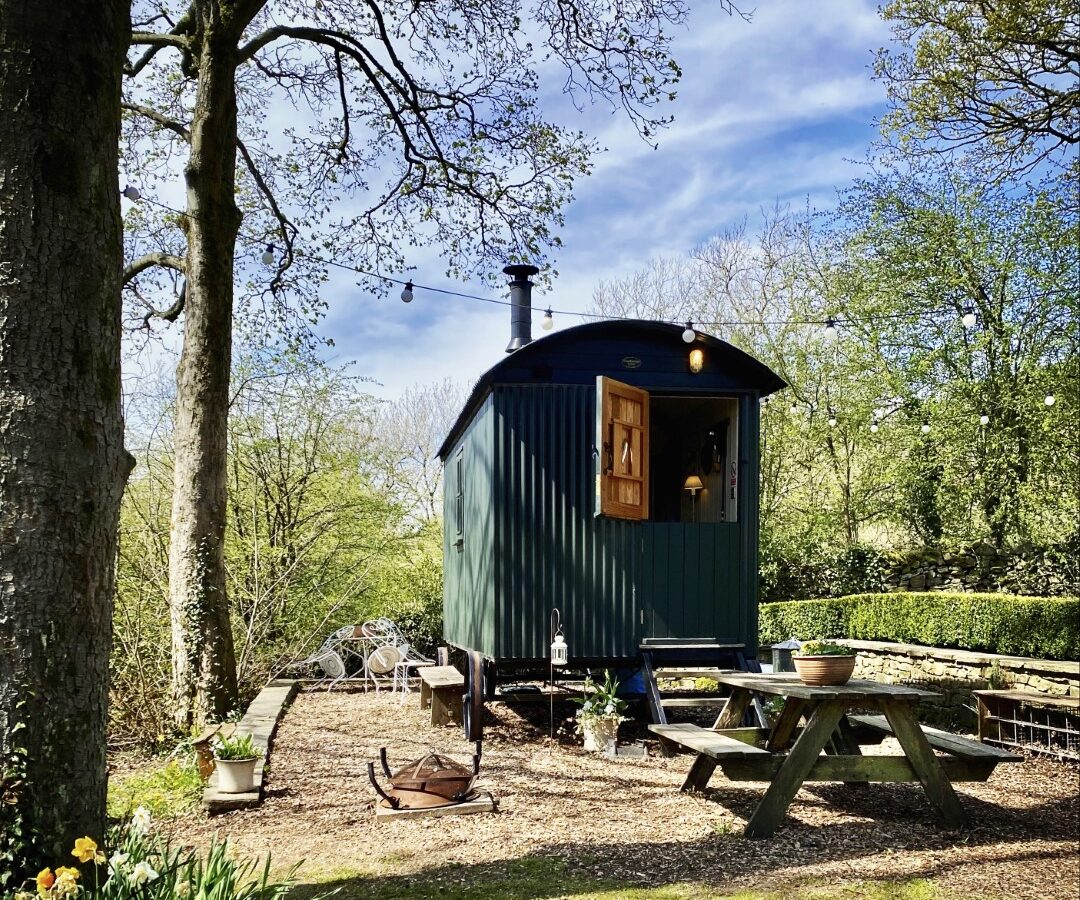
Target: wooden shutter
(623, 441)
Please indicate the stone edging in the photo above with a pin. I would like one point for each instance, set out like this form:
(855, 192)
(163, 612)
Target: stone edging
(261, 721)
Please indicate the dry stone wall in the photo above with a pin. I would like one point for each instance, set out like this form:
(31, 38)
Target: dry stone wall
(954, 674)
(1035, 571)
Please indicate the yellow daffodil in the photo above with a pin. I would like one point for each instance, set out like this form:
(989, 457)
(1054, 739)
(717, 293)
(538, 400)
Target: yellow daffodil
(67, 879)
(85, 849)
(45, 880)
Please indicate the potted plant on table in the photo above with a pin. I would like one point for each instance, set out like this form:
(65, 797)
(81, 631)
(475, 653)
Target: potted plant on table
(235, 757)
(824, 663)
(600, 714)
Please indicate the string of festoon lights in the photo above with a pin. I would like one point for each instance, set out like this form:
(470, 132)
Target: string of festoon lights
(830, 325)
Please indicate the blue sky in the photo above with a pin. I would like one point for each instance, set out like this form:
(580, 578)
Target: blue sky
(774, 109)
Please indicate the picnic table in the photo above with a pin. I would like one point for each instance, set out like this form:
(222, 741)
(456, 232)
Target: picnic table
(788, 754)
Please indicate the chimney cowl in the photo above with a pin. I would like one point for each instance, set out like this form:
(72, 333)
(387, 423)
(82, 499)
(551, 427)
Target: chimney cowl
(520, 304)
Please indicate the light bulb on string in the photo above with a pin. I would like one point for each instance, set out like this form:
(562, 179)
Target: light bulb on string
(268, 255)
(968, 319)
(830, 329)
(984, 419)
(407, 292)
(689, 335)
(832, 421)
(132, 193)
(873, 427)
(1050, 400)
(547, 323)
(925, 428)
(794, 408)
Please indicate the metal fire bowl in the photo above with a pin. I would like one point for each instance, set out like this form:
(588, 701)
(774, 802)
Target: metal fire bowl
(407, 799)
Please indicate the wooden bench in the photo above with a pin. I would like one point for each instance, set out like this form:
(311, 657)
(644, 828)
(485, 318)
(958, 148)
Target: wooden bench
(708, 745)
(963, 747)
(441, 688)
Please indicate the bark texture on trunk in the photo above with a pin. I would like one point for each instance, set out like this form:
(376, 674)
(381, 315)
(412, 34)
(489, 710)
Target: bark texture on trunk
(204, 662)
(62, 459)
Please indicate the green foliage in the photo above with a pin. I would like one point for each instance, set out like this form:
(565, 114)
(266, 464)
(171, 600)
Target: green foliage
(600, 702)
(325, 529)
(235, 747)
(824, 648)
(166, 789)
(997, 623)
(16, 839)
(997, 78)
(801, 566)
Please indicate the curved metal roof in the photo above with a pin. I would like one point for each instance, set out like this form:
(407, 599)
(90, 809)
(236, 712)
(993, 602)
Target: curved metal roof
(651, 355)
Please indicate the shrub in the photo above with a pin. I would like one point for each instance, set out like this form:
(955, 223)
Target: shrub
(995, 623)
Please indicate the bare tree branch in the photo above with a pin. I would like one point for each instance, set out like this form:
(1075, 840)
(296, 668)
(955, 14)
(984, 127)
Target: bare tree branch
(148, 261)
(160, 118)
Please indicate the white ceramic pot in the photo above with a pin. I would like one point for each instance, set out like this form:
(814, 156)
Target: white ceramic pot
(236, 776)
(598, 732)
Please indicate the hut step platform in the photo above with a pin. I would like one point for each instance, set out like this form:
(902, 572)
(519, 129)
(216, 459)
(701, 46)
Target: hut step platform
(695, 658)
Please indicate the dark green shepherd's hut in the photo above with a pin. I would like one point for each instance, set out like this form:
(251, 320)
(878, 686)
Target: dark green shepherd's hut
(610, 471)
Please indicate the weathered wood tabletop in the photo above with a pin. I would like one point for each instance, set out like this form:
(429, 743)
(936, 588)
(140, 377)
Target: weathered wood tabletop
(793, 752)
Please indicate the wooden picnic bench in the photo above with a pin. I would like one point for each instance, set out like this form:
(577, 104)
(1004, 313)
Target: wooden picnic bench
(441, 688)
(788, 753)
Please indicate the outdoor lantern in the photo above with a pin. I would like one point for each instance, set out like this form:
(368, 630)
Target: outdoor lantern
(689, 335)
(830, 329)
(1050, 400)
(781, 655)
(697, 360)
(558, 649)
(407, 293)
(268, 255)
(547, 323)
(969, 317)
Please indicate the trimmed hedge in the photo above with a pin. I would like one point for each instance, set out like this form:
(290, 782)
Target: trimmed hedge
(1042, 627)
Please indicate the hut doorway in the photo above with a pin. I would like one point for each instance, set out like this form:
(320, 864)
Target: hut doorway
(693, 447)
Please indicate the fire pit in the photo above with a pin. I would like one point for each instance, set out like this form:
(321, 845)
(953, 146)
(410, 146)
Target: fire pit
(432, 780)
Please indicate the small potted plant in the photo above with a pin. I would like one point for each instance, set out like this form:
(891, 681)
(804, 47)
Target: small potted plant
(234, 758)
(824, 663)
(600, 714)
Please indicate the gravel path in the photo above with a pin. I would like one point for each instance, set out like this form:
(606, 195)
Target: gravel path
(627, 820)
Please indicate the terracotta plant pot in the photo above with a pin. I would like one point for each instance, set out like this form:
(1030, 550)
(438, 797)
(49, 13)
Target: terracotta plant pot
(236, 776)
(598, 732)
(824, 670)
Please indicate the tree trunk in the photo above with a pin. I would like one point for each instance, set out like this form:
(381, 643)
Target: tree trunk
(62, 459)
(204, 661)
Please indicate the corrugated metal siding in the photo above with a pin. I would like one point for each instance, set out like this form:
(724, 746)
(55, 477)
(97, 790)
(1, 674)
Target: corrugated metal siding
(469, 581)
(605, 575)
(693, 582)
(553, 552)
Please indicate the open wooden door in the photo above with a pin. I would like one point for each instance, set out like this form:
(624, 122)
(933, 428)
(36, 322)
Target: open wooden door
(622, 437)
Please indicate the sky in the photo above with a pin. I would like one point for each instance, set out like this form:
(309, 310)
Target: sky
(780, 108)
(777, 109)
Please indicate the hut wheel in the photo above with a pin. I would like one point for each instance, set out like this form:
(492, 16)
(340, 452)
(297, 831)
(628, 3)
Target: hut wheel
(472, 713)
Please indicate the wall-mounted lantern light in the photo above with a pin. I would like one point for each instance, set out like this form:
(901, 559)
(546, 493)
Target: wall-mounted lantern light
(697, 360)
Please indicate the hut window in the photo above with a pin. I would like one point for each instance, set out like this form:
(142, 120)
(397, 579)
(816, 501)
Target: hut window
(459, 498)
(623, 445)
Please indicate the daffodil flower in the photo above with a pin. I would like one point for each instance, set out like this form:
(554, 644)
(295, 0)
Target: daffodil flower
(85, 849)
(45, 880)
(117, 861)
(140, 820)
(142, 873)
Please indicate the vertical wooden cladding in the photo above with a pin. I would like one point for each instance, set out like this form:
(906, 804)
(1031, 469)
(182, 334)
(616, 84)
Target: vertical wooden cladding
(623, 439)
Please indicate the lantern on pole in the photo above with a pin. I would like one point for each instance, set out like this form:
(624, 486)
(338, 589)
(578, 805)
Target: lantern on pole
(559, 650)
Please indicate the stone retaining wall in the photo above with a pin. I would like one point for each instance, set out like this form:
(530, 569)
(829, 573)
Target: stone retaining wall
(956, 673)
(981, 567)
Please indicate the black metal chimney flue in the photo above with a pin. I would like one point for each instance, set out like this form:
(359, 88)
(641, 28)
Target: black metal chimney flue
(521, 305)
